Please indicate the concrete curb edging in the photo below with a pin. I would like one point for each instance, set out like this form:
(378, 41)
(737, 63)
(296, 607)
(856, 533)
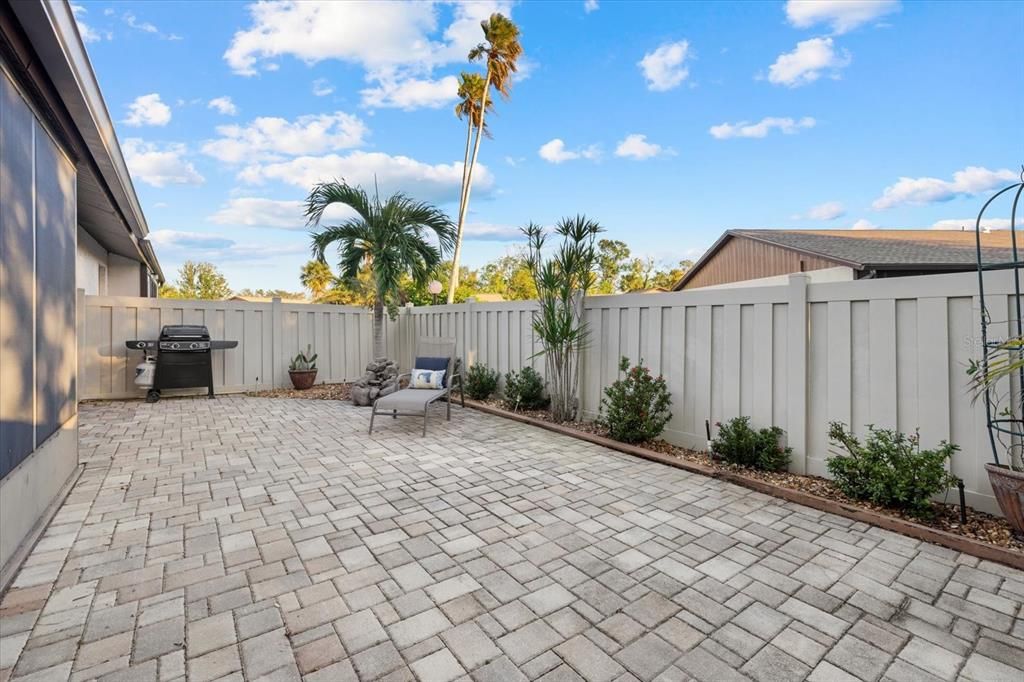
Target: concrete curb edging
(917, 531)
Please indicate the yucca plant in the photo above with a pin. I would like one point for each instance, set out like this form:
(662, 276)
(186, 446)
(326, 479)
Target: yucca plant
(562, 280)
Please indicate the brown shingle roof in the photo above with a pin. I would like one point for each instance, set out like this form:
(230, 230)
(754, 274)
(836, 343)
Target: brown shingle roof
(890, 249)
(880, 249)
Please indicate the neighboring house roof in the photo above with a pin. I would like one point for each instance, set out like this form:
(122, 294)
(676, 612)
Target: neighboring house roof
(879, 249)
(108, 208)
(267, 299)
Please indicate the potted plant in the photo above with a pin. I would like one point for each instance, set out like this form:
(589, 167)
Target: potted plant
(302, 370)
(991, 380)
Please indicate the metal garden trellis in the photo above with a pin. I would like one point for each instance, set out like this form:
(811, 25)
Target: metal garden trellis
(1004, 402)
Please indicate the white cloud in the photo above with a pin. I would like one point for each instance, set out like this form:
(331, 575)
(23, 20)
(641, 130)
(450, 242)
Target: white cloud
(637, 147)
(840, 15)
(398, 44)
(267, 138)
(968, 224)
(412, 93)
(807, 62)
(146, 27)
(830, 210)
(665, 68)
(863, 224)
(590, 6)
(159, 166)
(429, 182)
(261, 212)
(88, 33)
(555, 152)
(380, 36)
(148, 110)
(322, 87)
(488, 232)
(788, 126)
(224, 105)
(180, 245)
(969, 181)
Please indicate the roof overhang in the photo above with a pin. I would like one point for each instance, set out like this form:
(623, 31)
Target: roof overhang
(109, 209)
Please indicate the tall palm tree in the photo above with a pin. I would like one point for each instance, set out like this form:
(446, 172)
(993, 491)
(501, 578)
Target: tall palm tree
(392, 238)
(501, 50)
(316, 276)
(471, 96)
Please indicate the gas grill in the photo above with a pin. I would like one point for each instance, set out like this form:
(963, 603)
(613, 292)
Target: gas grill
(183, 358)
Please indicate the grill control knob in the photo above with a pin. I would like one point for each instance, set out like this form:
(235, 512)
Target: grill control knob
(175, 345)
(193, 345)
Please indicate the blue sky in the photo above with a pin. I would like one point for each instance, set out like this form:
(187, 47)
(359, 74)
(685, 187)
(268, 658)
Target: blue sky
(667, 122)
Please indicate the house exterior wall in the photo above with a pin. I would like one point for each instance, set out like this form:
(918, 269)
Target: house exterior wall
(840, 273)
(123, 276)
(741, 259)
(91, 267)
(38, 350)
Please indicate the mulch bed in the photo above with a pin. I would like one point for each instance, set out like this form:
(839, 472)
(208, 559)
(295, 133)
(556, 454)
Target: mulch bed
(980, 527)
(316, 392)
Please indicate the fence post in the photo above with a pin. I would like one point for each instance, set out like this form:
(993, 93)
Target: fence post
(470, 350)
(276, 343)
(796, 364)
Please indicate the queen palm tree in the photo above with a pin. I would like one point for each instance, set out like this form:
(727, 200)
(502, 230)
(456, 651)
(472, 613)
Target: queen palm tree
(392, 238)
(501, 50)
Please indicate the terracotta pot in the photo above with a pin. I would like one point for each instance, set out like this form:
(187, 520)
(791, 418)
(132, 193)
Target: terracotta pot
(302, 378)
(1008, 486)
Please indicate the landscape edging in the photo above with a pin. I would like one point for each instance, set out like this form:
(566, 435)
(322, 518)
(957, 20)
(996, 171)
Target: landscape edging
(917, 531)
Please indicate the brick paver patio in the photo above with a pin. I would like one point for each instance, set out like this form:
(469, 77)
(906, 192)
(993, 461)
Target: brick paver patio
(249, 538)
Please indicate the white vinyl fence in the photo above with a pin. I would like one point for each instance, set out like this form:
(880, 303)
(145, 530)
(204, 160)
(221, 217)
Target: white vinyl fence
(888, 352)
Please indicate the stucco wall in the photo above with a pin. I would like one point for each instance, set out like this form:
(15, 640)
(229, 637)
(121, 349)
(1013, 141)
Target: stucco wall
(91, 257)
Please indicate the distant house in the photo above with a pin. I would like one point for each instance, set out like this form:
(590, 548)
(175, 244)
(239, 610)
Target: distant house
(762, 257)
(69, 220)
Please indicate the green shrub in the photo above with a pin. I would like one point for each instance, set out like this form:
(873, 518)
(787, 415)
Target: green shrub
(524, 390)
(738, 443)
(890, 468)
(481, 382)
(635, 408)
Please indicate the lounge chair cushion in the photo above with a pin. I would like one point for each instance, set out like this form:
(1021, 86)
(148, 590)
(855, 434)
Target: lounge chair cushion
(426, 379)
(436, 364)
(408, 400)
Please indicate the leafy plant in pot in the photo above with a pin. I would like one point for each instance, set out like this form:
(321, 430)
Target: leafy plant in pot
(302, 370)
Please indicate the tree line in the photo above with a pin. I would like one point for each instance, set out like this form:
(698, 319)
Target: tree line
(618, 271)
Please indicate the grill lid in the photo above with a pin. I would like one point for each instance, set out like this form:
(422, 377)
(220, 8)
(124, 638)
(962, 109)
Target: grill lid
(184, 332)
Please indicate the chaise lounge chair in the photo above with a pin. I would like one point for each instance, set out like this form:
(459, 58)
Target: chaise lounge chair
(415, 402)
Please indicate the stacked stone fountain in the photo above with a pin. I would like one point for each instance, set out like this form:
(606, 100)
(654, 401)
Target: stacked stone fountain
(381, 378)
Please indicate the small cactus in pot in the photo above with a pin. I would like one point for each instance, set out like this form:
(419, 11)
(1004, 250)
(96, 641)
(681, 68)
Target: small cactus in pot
(302, 369)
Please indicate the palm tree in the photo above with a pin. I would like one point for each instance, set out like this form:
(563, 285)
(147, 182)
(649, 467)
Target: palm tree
(501, 50)
(471, 95)
(392, 238)
(316, 276)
